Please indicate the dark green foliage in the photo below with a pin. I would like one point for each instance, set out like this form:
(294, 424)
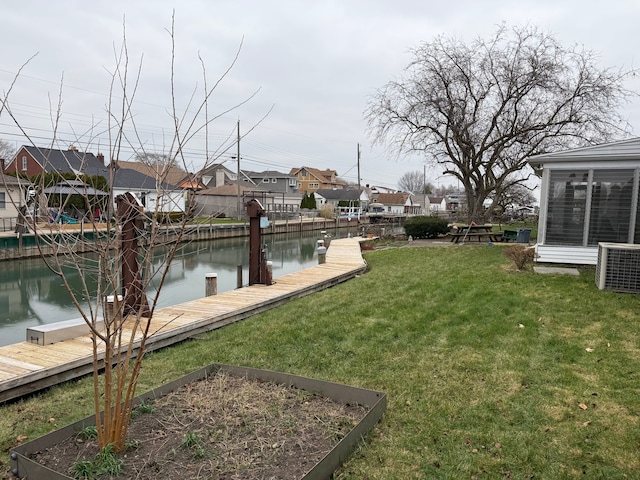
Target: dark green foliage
(426, 227)
(106, 462)
(308, 201)
(349, 203)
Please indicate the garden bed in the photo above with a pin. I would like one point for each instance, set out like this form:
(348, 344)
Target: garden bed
(222, 422)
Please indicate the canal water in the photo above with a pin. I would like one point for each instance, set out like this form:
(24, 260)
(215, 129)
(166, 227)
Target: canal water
(30, 294)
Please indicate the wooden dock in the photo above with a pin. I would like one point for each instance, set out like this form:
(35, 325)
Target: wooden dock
(26, 367)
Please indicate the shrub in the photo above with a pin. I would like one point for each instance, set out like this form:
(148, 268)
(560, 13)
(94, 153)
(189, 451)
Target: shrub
(521, 255)
(326, 212)
(426, 227)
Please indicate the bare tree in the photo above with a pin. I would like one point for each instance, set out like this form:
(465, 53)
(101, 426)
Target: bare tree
(414, 182)
(6, 150)
(122, 278)
(518, 195)
(444, 190)
(481, 109)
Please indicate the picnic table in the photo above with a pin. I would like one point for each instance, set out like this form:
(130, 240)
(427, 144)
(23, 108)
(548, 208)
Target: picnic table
(478, 232)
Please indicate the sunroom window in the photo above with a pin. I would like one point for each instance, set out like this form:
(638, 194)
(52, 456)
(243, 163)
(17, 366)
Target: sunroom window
(567, 207)
(586, 207)
(611, 197)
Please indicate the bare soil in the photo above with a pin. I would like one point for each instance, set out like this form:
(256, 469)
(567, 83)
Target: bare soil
(223, 427)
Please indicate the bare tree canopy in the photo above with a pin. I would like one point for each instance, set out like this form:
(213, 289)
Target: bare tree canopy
(6, 150)
(414, 182)
(481, 109)
(517, 195)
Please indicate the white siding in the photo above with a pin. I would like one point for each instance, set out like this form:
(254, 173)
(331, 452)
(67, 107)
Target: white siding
(570, 255)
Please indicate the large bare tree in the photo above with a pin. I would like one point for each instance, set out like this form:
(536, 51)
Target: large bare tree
(480, 109)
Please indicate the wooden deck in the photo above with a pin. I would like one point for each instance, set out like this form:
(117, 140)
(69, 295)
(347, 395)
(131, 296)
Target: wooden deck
(26, 367)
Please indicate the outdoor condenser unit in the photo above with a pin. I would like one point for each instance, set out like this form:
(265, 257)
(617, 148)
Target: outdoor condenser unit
(618, 267)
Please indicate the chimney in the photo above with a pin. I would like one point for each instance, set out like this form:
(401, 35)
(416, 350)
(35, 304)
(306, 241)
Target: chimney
(101, 158)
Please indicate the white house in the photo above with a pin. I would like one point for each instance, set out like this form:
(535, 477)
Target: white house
(398, 203)
(12, 191)
(588, 195)
(437, 205)
(349, 202)
(164, 197)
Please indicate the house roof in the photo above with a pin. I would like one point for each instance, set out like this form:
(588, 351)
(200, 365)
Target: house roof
(393, 198)
(11, 180)
(129, 179)
(172, 176)
(621, 150)
(210, 170)
(339, 194)
(69, 161)
(267, 173)
(324, 176)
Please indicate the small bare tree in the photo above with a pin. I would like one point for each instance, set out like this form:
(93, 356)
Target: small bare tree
(121, 268)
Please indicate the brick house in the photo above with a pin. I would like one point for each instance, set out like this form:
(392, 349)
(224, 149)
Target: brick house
(32, 161)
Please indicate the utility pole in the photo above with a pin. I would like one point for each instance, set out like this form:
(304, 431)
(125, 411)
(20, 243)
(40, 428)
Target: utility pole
(358, 167)
(238, 202)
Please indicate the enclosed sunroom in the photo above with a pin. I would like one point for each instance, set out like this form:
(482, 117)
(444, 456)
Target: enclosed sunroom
(588, 195)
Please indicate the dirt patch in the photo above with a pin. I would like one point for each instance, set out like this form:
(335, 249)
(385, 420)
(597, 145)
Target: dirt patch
(223, 427)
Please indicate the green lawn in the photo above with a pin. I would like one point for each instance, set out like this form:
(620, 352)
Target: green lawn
(490, 373)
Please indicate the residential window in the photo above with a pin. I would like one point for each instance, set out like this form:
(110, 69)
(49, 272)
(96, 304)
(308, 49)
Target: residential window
(274, 180)
(3, 202)
(611, 197)
(314, 185)
(24, 163)
(567, 207)
(293, 182)
(590, 206)
(265, 180)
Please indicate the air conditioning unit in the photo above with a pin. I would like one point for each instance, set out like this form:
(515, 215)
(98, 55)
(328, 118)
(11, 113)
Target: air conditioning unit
(618, 267)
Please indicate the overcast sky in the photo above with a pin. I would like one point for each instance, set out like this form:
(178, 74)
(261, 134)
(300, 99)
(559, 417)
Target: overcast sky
(314, 64)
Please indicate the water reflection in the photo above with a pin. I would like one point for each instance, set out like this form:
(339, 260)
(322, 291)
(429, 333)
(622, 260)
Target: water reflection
(30, 294)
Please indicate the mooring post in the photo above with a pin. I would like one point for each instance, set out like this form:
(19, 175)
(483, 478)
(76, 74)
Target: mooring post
(322, 253)
(239, 276)
(211, 284)
(113, 308)
(269, 273)
(255, 211)
(129, 216)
